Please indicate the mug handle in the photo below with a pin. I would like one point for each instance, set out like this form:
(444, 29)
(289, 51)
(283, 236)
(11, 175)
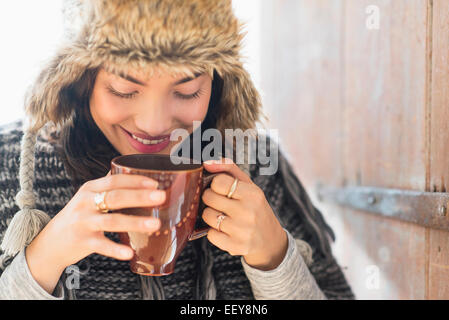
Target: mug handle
(207, 180)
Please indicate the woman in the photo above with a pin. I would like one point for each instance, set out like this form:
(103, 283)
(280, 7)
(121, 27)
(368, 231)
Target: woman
(133, 72)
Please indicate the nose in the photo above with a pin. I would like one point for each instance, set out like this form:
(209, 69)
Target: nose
(154, 119)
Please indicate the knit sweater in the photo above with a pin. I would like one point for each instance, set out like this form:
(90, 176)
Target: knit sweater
(304, 273)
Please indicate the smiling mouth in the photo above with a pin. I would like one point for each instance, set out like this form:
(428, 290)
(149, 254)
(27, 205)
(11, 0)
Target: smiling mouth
(148, 142)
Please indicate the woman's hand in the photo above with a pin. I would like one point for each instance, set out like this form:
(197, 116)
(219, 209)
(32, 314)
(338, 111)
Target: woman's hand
(78, 230)
(250, 228)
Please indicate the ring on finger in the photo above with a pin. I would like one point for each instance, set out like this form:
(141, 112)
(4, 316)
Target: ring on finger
(100, 202)
(220, 218)
(232, 189)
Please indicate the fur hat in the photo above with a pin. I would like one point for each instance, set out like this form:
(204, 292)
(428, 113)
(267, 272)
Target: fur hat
(178, 36)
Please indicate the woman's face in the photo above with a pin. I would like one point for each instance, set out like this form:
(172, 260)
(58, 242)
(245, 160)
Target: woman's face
(139, 117)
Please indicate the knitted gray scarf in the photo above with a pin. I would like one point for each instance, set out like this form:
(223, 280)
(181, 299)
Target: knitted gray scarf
(28, 222)
(151, 287)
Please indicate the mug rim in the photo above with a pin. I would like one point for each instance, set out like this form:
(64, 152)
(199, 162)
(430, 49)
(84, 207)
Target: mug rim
(114, 163)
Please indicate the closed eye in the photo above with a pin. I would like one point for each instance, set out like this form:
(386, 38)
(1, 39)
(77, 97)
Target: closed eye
(133, 94)
(188, 96)
(122, 95)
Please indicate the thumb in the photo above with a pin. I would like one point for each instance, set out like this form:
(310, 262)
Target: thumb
(226, 165)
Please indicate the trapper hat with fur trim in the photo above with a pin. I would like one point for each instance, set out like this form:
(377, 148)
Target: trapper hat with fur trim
(179, 36)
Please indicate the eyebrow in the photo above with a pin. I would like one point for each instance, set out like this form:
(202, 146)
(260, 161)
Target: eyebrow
(134, 80)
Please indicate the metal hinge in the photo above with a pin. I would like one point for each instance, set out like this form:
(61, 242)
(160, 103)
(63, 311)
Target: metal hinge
(429, 209)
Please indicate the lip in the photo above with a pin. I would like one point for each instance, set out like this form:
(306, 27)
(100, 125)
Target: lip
(146, 137)
(143, 148)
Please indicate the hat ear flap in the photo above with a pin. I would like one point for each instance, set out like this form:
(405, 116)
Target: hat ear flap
(43, 99)
(240, 108)
(240, 104)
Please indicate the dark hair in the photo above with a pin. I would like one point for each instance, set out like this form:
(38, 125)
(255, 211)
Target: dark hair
(85, 150)
(87, 154)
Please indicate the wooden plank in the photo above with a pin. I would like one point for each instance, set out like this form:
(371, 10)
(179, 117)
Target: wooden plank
(385, 141)
(438, 265)
(385, 257)
(438, 276)
(383, 97)
(301, 77)
(301, 82)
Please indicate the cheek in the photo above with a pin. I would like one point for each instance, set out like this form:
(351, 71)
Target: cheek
(196, 110)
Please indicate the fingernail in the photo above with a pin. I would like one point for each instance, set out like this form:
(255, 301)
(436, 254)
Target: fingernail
(157, 195)
(212, 161)
(126, 253)
(227, 160)
(151, 223)
(150, 183)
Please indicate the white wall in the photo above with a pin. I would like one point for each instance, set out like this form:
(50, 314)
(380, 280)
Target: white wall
(249, 12)
(29, 29)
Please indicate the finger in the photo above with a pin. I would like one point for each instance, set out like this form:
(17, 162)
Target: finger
(120, 181)
(226, 165)
(118, 222)
(230, 207)
(109, 248)
(222, 241)
(210, 216)
(132, 198)
(222, 183)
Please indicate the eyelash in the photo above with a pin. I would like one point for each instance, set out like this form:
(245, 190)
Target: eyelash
(177, 94)
(189, 96)
(122, 95)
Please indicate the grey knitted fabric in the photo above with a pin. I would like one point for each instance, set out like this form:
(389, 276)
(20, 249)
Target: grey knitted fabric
(106, 278)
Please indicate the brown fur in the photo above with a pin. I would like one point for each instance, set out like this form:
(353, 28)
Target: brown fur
(179, 36)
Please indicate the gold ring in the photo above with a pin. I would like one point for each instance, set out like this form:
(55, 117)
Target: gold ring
(219, 220)
(100, 203)
(233, 187)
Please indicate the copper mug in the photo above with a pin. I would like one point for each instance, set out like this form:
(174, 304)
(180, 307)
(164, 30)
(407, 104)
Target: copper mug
(155, 254)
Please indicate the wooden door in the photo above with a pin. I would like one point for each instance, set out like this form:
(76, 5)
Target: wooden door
(367, 107)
